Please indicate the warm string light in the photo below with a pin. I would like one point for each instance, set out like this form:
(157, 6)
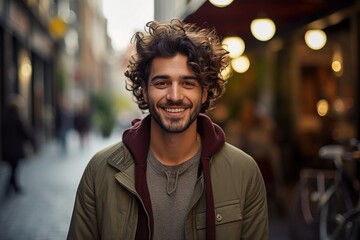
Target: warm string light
(315, 39)
(220, 3)
(337, 61)
(240, 64)
(263, 29)
(322, 107)
(235, 46)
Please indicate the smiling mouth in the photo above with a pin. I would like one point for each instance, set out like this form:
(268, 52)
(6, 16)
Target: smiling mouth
(174, 110)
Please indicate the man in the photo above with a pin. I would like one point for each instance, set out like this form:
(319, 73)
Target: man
(173, 176)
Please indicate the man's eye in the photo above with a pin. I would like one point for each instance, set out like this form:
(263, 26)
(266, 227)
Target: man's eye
(160, 84)
(189, 84)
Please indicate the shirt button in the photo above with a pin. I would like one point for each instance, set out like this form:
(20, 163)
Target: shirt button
(219, 217)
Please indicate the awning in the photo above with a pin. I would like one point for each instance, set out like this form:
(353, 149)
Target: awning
(235, 19)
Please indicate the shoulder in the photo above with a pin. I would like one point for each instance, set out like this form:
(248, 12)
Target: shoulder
(116, 155)
(109, 151)
(234, 162)
(234, 155)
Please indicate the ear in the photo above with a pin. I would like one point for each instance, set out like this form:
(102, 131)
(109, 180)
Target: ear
(144, 92)
(204, 95)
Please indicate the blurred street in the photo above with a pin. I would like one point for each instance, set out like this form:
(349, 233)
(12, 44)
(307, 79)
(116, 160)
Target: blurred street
(49, 180)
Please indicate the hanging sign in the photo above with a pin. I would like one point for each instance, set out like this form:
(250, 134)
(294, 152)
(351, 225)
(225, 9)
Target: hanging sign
(57, 27)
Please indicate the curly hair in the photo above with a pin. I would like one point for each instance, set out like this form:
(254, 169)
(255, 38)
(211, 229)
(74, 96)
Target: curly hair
(206, 57)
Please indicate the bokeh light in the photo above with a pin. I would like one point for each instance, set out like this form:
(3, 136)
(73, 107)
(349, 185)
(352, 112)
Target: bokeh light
(315, 39)
(263, 29)
(322, 107)
(220, 3)
(240, 64)
(235, 46)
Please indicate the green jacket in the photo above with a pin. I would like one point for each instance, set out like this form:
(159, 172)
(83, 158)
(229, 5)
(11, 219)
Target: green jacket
(112, 200)
(107, 204)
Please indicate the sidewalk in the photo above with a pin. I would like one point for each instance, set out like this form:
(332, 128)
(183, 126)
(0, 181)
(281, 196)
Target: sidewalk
(49, 180)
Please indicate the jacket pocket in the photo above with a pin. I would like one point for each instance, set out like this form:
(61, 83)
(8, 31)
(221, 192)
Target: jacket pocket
(225, 213)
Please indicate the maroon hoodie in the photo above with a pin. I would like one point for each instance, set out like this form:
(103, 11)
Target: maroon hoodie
(137, 139)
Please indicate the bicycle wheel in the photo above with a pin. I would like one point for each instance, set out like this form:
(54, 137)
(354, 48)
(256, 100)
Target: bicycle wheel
(349, 226)
(332, 205)
(303, 211)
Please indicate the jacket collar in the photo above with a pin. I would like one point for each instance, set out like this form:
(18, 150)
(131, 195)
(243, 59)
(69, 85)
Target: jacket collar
(137, 137)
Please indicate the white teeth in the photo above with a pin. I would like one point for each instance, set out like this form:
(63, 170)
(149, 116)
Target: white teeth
(174, 110)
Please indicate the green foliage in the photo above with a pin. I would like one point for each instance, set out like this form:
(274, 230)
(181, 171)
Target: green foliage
(61, 76)
(104, 113)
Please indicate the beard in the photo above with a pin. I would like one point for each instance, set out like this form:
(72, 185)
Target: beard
(175, 124)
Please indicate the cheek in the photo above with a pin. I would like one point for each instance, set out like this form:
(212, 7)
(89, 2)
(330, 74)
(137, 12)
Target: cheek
(154, 96)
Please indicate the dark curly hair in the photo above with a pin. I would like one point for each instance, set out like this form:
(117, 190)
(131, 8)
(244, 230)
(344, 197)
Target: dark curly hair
(206, 57)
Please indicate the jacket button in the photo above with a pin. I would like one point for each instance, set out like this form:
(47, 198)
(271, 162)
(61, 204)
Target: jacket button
(219, 217)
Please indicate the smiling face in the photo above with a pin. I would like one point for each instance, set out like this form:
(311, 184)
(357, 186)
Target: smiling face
(173, 94)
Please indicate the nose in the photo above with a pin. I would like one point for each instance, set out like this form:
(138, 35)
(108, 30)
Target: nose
(175, 94)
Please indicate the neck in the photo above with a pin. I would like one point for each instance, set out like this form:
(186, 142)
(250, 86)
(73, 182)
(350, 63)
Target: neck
(174, 148)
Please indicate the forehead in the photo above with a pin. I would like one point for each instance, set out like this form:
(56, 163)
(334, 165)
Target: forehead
(170, 65)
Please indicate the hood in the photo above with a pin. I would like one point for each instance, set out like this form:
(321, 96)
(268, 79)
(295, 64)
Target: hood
(137, 139)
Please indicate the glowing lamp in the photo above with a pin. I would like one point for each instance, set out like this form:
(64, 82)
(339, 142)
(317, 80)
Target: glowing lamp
(235, 46)
(263, 29)
(220, 3)
(315, 39)
(240, 64)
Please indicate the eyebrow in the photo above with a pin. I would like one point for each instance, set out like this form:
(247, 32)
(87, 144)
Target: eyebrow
(159, 77)
(186, 77)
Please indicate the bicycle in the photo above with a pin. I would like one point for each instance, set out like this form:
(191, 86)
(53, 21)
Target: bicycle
(339, 205)
(303, 214)
(316, 211)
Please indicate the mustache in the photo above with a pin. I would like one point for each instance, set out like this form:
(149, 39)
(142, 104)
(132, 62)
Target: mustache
(180, 103)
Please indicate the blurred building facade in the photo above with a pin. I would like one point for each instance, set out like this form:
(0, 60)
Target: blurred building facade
(165, 10)
(27, 56)
(51, 48)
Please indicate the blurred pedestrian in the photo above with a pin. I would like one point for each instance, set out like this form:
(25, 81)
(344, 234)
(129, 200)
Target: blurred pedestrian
(16, 134)
(62, 122)
(258, 139)
(82, 123)
(172, 176)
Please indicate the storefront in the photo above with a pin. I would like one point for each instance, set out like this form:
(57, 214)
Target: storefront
(27, 57)
(300, 98)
